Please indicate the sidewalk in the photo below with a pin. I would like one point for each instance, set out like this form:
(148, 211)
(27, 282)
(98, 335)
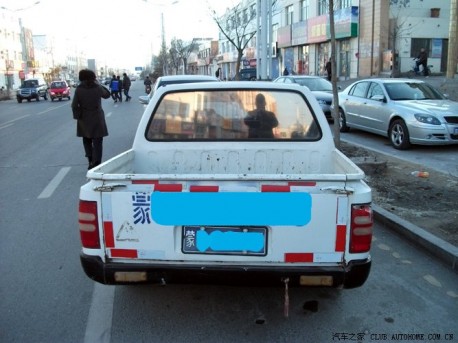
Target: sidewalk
(447, 86)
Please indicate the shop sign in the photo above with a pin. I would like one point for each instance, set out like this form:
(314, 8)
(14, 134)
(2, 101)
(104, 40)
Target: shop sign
(299, 33)
(316, 29)
(284, 36)
(345, 22)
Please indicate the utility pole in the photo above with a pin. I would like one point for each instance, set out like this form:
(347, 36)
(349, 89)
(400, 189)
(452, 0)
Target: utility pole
(452, 58)
(164, 47)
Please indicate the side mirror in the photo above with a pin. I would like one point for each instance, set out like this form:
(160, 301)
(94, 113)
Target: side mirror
(379, 97)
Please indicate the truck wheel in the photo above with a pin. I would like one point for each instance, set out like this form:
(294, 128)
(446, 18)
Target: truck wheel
(19, 100)
(38, 97)
(29, 100)
(343, 121)
(52, 99)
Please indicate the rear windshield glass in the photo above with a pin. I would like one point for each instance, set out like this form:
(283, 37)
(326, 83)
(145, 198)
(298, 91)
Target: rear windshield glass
(233, 115)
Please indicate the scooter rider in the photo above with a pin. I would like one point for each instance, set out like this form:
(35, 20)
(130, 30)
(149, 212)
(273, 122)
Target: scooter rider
(147, 84)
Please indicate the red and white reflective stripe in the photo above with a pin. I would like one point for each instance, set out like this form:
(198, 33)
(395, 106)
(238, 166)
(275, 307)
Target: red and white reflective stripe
(341, 223)
(161, 187)
(340, 243)
(203, 188)
(109, 234)
(123, 253)
(289, 187)
(309, 257)
(178, 187)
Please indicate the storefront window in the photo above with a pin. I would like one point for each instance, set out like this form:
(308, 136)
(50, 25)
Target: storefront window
(303, 60)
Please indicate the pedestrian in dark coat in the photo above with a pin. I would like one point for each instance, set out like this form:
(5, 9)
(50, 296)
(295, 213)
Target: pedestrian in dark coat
(328, 68)
(126, 86)
(119, 95)
(87, 110)
(422, 60)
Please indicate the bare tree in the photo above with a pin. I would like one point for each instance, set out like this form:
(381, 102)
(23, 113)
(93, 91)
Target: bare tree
(174, 56)
(239, 27)
(183, 50)
(397, 30)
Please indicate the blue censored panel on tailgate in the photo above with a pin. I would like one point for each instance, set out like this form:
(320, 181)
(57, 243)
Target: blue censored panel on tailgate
(231, 208)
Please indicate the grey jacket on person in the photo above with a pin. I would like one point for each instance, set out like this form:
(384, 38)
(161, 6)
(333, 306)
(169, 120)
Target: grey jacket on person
(87, 110)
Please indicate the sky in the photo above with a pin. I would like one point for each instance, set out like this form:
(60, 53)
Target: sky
(119, 33)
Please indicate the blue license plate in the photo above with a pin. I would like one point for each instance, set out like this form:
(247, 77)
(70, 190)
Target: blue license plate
(456, 131)
(246, 241)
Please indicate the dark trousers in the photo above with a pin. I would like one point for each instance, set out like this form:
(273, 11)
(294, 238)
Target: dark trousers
(93, 147)
(425, 67)
(126, 93)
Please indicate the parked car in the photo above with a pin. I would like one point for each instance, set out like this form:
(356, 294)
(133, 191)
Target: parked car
(404, 110)
(321, 89)
(247, 74)
(59, 90)
(174, 79)
(32, 89)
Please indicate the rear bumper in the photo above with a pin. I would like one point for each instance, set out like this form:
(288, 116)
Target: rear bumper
(354, 274)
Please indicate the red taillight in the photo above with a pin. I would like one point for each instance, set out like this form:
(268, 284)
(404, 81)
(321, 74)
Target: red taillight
(89, 225)
(361, 228)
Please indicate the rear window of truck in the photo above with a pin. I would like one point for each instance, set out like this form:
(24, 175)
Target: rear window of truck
(233, 115)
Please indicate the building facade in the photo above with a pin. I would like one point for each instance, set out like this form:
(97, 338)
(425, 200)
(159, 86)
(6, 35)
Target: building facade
(373, 37)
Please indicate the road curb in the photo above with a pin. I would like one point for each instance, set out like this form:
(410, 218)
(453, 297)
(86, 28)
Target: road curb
(443, 250)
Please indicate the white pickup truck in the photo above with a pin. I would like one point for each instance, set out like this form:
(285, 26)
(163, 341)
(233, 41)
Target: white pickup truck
(233, 183)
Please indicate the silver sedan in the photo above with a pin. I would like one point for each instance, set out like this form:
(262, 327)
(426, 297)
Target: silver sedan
(404, 110)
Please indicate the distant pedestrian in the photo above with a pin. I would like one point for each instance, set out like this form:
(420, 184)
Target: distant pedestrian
(328, 68)
(126, 86)
(218, 73)
(422, 60)
(147, 84)
(120, 88)
(114, 88)
(87, 110)
(285, 72)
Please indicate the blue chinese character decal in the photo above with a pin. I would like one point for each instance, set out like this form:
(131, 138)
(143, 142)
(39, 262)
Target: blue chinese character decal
(142, 203)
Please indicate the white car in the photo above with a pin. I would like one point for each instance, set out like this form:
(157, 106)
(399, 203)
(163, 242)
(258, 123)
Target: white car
(404, 110)
(174, 79)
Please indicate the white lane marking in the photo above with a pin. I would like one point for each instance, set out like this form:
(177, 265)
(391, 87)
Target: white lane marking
(9, 123)
(6, 125)
(52, 109)
(452, 294)
(384, 247)
(432, 280)
(98, 327)
(51, 187)
(108, 114)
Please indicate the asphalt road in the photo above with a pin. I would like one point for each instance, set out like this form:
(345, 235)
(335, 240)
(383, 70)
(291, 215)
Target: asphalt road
(46, 297)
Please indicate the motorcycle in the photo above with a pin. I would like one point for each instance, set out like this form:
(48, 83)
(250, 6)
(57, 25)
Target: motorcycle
(148, 89)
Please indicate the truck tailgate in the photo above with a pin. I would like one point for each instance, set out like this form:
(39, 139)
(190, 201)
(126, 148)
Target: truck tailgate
(132, 232)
